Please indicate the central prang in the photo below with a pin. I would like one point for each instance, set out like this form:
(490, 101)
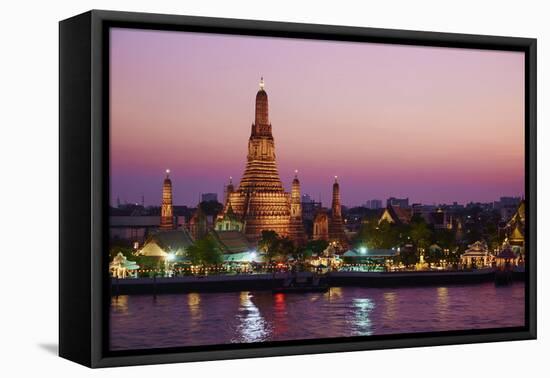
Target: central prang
(260, 201)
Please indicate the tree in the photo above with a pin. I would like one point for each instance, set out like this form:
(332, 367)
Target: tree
(446, 239)
(268, 244)
(375, 236)
(420, 234)
(434, 255)
(388, 235)
(286, 248)
(128, 252)
(205, 251)
(316, 246)
(366, 236)
(194, 253)
(407, 257)
(121, 245)
(211, 254)
(303, 253)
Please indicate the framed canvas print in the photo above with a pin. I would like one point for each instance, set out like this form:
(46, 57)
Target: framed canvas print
(234, 188)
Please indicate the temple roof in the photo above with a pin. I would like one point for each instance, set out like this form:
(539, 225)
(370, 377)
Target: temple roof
(230, 214)
(121, 261)
(519, 215)
(479, 248)
(397, 214)
(172, 240)
(517, 234)
(231, 241)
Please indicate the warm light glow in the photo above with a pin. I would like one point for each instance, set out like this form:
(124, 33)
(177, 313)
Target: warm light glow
(170, 257)
(167, 171)
(262, 84)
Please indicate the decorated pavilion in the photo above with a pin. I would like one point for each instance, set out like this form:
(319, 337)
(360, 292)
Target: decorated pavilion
(477, 255)
(121, 267)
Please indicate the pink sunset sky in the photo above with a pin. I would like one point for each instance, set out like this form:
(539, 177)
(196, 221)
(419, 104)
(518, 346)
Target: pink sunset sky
(436, 125)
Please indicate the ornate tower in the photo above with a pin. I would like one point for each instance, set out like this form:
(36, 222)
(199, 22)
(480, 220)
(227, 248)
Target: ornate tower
(228, 189)
(336, 225)
(260, 200)
(296, 227)
(261, 170)
(167, 211)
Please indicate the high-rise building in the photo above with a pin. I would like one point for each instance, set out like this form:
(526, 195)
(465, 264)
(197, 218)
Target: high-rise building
(508, 202)
(398, 202)
(306, 198)
(207, 197)
(309, 207)
(167, 210)
(373, 204)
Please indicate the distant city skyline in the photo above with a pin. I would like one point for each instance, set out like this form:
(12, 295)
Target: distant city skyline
(436, 125)
(325, 203)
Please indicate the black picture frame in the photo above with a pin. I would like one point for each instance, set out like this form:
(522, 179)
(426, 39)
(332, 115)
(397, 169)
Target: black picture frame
(84, 185)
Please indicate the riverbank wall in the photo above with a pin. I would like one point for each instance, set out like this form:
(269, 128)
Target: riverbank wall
(260, 282)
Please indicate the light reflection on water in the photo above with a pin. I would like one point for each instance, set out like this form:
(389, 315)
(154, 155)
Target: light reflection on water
(120, 304)
(362, 321)
(442, 302)
(172, 320)
(252, 327)
(390, 305)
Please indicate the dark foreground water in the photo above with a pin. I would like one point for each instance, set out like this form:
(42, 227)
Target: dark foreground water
(142, 321)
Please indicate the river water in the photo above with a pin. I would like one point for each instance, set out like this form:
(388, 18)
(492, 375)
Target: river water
(179, 320)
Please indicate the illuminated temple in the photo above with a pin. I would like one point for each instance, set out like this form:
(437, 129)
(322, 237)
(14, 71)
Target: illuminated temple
(260, 201)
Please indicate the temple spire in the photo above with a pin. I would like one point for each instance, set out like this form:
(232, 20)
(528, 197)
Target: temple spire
(336, 224)
(336, 206)
(228, 189)
(296, 227)
(260, 201)
(167, 210)
(262, 114)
